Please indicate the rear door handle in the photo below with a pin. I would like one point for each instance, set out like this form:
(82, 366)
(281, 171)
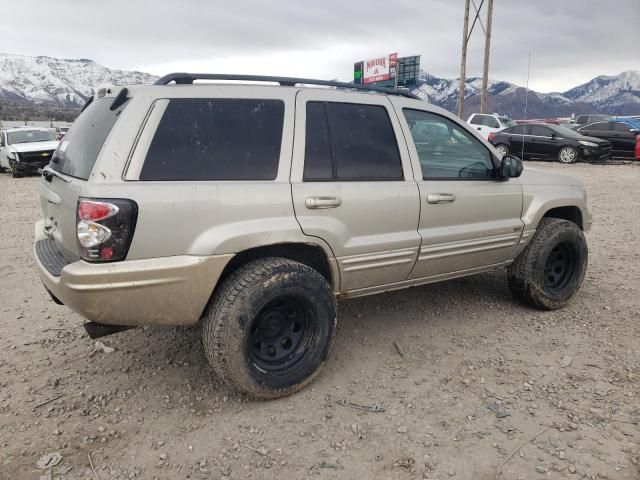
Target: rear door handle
(440, 198)
(322, 202)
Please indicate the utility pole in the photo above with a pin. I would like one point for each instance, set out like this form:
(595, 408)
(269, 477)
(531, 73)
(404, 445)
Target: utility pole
(485, 71)
(463, 62)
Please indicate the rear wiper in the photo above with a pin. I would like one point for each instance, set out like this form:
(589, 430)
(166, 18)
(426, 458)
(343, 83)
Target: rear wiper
(48, 174)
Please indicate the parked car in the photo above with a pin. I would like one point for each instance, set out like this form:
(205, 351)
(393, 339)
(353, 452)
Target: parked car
(486, 124)
(594, 117)
(621, 133)
(25, 149)
(550, 142)
(253, 208)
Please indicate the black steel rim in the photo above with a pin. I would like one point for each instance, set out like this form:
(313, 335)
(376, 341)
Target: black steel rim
(559, 268)
(280, 335)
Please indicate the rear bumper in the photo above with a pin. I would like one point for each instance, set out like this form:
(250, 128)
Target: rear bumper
(159, 291)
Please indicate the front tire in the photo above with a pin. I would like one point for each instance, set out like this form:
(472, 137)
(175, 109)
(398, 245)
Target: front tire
(568, 155)
(551, 268)
(270, 327)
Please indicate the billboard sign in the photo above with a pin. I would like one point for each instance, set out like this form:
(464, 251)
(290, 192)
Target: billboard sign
(379, 69)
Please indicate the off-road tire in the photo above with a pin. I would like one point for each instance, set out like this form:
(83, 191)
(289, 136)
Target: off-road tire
(231, 319)
(526, 275)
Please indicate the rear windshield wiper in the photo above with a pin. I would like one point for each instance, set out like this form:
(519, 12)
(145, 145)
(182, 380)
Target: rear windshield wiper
(49, 173)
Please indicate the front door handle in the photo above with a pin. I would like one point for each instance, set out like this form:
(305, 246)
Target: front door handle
(441, 198)
(322, 202)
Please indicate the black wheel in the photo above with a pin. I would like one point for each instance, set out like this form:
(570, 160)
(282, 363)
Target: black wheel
(550, 270)
(503, 149)
(270, 327)
(15, 173)
(568, 155)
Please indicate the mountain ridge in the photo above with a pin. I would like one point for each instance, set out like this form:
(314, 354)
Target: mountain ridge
(49, 82)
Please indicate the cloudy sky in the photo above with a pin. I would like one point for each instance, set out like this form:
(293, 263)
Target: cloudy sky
(570, 41)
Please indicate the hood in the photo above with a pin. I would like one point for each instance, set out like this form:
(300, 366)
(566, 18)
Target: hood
(34, 146)
(533, 176)
(599, 141)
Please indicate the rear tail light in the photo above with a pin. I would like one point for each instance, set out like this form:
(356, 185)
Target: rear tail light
(105, 228)
(637, 147)
(492, 137)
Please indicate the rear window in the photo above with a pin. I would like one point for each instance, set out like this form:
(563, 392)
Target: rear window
(216, 139)
(77, 153)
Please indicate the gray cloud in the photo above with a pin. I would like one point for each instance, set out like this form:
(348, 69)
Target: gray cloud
(570, 41)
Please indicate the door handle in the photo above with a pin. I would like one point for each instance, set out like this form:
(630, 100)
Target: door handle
(440, 198)
(479, 128)
(322, 202)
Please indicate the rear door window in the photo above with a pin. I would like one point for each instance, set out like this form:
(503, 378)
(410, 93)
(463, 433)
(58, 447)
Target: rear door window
(77, 153)
(350, 142)
(216, 139)
(620, 127)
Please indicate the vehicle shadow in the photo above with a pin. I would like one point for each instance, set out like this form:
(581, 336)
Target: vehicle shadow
(366, 323)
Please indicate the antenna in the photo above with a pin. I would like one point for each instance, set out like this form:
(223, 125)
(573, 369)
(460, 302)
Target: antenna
(526, 101)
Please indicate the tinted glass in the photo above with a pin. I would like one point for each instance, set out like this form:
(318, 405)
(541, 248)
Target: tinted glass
(446, 150)
(216, 139)
(539, 130)
(563, 131)
(491, 122)
(600, 126)
(582, 119)
(477, 120)
(363, 143)
(77, 153)
(620, 127)
(517, 130)
(28, 136)
(317, 156)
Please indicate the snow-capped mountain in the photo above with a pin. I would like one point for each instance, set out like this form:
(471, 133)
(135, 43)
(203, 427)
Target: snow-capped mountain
(45, 82)
(58, 82)
(618, 94)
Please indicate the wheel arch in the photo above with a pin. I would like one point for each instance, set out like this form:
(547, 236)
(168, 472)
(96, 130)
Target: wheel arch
(572, 213)
(309, 254)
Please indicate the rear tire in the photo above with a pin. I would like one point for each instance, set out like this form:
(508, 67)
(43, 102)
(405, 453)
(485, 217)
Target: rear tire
(503, 149)
(551, 268)
(568, 155)
(269, 328)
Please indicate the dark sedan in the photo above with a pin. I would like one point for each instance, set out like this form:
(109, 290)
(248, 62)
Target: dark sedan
(621, 133)
(554, 142)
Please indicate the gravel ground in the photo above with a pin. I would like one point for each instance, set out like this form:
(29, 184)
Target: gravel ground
(474, 377)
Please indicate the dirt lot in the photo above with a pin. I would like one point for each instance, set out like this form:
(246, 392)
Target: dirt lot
(473, 377)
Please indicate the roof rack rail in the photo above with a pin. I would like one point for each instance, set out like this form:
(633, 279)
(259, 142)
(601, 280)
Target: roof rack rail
(189, 78)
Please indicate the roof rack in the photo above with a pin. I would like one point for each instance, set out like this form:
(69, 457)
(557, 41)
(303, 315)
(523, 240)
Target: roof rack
(189, 78)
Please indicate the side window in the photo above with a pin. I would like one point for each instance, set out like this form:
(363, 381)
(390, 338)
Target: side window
(540, 131)
(582, 119)
(517, 130)
(620, 127)
(216, 139)
(446, 150)
(600, 126)
(350, 142)
(491, 122)
(477, 120)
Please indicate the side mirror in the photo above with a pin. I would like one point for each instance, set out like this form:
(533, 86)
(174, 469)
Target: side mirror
(510, 167)
(635, 130)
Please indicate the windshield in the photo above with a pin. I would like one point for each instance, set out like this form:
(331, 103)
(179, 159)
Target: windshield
(28, 136)
(78, 151)
(567, 132)
(507, 122)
